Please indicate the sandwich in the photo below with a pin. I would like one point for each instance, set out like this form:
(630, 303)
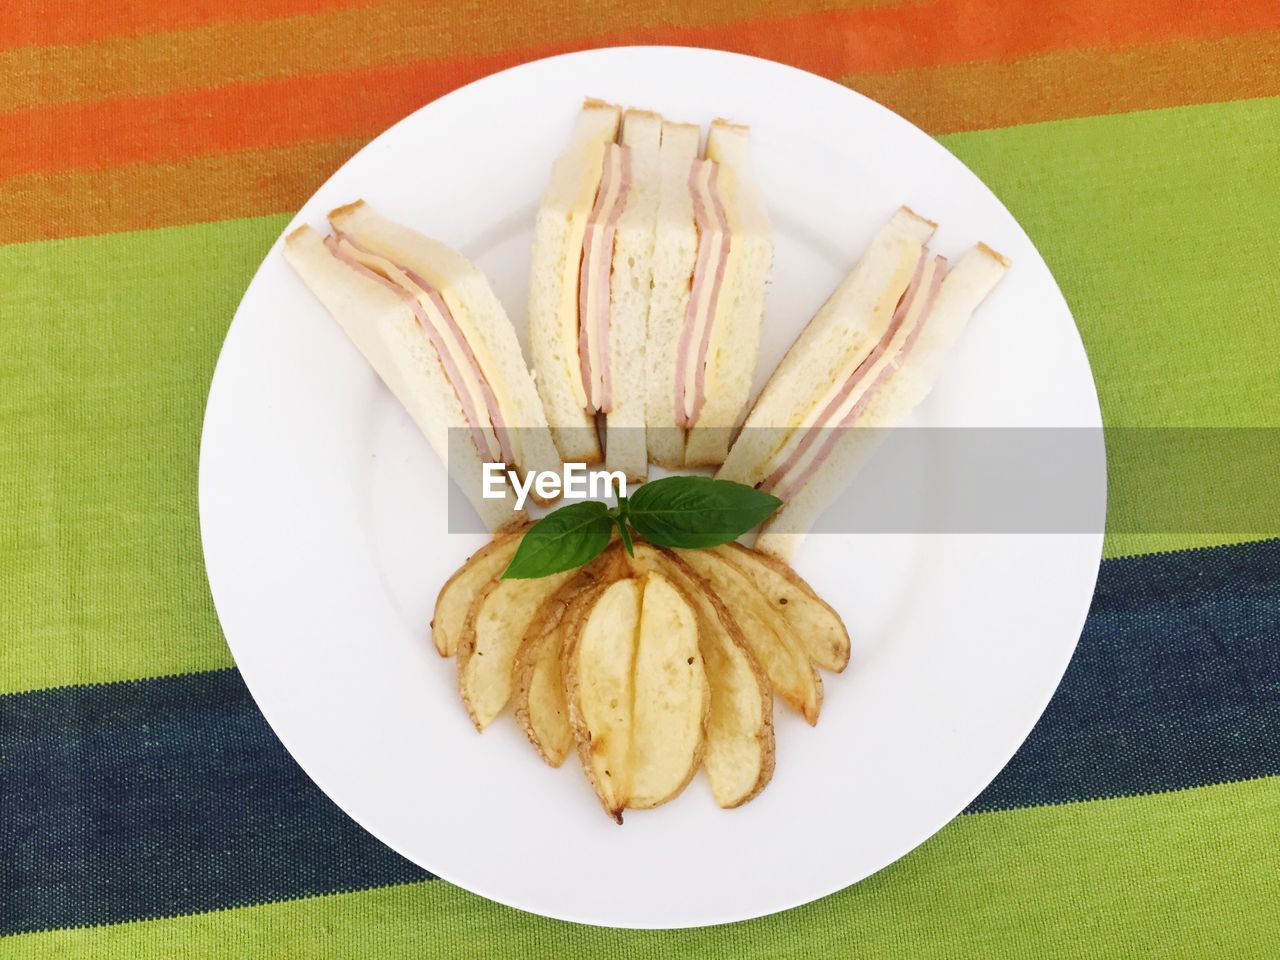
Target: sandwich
(648, 262)
(430, 325)
(868, 357)
(589, 283)
(713, 251)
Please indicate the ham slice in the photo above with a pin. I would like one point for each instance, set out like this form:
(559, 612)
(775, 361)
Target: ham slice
(844, 409)
(594, 274)
(704, 291)
(461, 369)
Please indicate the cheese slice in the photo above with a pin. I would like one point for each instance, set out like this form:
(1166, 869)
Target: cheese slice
(806, 449)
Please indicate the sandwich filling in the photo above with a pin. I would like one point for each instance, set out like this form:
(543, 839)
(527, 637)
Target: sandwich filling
(806, 451)
(594, 273)
(436, 320)
(704, 291)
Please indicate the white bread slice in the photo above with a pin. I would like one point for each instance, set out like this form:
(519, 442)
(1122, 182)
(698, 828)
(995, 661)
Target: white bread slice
(479, 315)
(735, 343)
(553, 281)
(675, 250)
(839, 336)
(630, 285)
(383, 328)
(969, 282)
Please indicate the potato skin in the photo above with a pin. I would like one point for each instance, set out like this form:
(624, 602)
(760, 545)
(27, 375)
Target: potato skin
(548, 628)
(543, 619)
(654, 579)
(729, 631)
(458, 595)
(821, 630)
(581, 611)
(771, 639)
(497, 621)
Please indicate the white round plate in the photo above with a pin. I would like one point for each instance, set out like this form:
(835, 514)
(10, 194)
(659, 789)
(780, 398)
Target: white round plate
(323, 517)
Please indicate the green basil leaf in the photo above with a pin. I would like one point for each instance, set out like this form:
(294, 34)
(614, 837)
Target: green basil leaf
(694, 512)
(563, 539)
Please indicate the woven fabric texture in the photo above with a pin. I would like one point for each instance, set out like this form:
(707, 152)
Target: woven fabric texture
(152, 153)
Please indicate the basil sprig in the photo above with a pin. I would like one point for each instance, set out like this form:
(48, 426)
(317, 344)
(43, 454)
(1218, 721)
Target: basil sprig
(565, 538)
(686, 512)
(696, 512)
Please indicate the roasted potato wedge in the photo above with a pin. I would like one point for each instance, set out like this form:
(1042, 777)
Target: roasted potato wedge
(671, 698)
(598, 660)
(498, 620)
(739, 755)
(460, 590)
(739, 752)
(651, 665)
(538, 684)
(811, 620)
(770, 639)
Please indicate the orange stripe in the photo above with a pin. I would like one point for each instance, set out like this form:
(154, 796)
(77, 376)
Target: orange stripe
(941, 99)
(202, 122)
(959, 31)
(336, 105)
(41, 22)
(1078, 83)
(144, 196)
(390, 33)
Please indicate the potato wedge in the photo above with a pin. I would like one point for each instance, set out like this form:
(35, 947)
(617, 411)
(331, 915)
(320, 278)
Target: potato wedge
(537, 695)
(739, 752)
(537, 681)
(771, 641)
(739, 757)
(598, 659)
(460, 590)
(811, 619)
(671, 698)
(495, 625)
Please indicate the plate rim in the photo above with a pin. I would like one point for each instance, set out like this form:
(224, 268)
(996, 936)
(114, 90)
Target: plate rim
(1077, 623)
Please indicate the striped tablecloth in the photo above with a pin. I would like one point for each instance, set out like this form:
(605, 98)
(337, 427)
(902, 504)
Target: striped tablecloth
(151, 151)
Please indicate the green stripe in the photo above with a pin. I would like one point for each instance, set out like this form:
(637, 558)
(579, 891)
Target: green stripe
(107, 345)
(1188, 874)
(1159, 226)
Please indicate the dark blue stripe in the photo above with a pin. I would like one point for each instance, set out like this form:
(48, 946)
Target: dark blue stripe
(163, 797)
(1175, 683)
(170, 796)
